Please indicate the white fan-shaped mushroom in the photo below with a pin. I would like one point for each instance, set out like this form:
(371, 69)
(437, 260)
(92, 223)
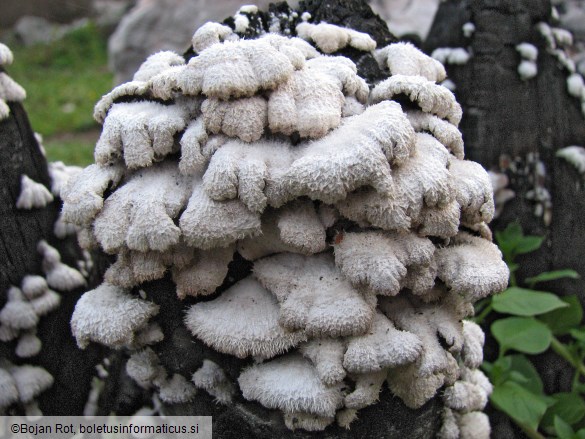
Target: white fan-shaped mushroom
(124, 313)
(326, 354)
(9, 90)
(28, 345)
(405, 59)
(232, 69)
(249, 322)
(204, 274)
(435, 366)
(243, 118)
(473, 340)
(18, 313)
(474, 425)
(575, 155)
(59, 276)
(430, 97)
(33, 195)
(60, 175)
(360, 150)
(367, 389)
(45, 303)
(176, 390)
(140, 213)
(6, 56)
(254, 172)
(156, 63)
(291, 384)
(473, 191)
(144, 368)
(472, 266)
(301, 228)
(449, 428)
(212, 33)
(444, 132)
(423, 180)
(379, 261)
(314, 296)
(382, 347)
(465, 397)
(330, 38)
(83, 194)
(207, 223)
(8, 390)
(33, 286)
(140, 131)
(311, 101)
(294, 228)
(30, 381)
(211, 378)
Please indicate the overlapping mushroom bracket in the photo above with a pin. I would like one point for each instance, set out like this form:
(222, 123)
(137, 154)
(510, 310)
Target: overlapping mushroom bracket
(366, 226)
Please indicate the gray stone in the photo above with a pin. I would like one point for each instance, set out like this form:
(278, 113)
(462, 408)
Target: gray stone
(30, 30)
(155, 25)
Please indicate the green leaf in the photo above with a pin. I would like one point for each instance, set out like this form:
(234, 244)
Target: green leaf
(528, 244)
(568, 406)
(518, 403)
(578, 334)
(552, 275)
(522, 365)
(581, 434)
(524, 334)
(508, 239)
(498, 371)
(563, 430)
(522, 302)
(562, 320)
(512, 266)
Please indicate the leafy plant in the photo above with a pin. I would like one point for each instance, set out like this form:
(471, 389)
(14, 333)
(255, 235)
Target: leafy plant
(63, 80)
(533, 322)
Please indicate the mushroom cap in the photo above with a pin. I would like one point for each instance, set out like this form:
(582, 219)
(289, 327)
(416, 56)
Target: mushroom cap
(382, 347)
(291, 384)
(28, 345)
(405, 59)
(242, 321)
(123, 313)
(32, 194)
(18, 314)
(314, 295)
(143, 367)
(30, 381)
(472, 266)
(33, 286)
(177, 390)
(8, 390)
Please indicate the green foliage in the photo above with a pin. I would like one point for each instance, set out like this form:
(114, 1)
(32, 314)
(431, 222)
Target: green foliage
(71, 151)
(63, 80)
(523, 334)
(531, 322)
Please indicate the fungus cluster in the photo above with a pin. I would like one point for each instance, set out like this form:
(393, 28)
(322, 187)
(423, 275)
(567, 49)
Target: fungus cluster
(558, 43)
(10, 91)
(37, 294)
(366, 227)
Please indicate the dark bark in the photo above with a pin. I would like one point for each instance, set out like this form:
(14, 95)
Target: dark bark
(20, 231)
(507, 119)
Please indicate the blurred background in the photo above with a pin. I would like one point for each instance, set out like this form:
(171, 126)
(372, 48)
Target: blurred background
(68, 53)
